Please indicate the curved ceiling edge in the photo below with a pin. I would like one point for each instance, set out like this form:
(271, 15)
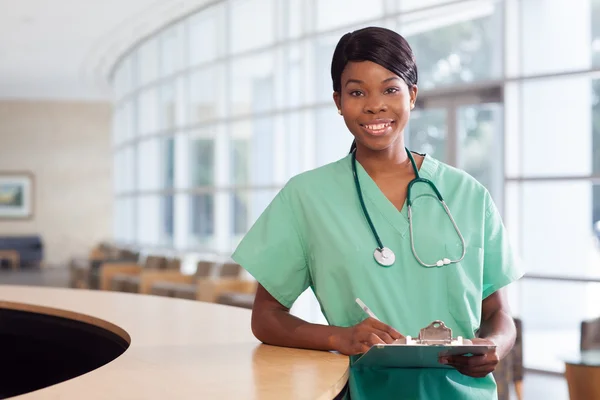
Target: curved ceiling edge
(105, 54)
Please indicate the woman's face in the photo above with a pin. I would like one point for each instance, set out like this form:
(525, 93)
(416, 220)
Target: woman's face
(375, 104)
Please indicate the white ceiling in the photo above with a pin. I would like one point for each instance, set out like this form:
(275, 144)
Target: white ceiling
(65, 49)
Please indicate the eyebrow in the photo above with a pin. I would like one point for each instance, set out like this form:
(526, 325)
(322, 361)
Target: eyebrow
(361, 82)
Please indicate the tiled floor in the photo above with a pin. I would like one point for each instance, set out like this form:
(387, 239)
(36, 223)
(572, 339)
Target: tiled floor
(547, 387)
(536, 386)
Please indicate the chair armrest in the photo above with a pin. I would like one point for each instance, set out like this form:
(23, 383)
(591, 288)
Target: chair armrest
(79, 263)
(209, 290)
(149, 278)
(109, 270)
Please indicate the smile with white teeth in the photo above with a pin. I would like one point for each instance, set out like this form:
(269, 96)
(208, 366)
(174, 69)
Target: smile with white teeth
(377, 128)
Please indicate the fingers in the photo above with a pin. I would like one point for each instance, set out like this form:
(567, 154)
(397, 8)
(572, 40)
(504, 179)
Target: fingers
(474, 374)
(364, 347)
(385, 337)
(475, 366)
(473, 361)
(372, 332)
(381, 334)
(477, 372)
(465, 361)
(380, 326)
(394, 334)
(365, 341)
(371, 338)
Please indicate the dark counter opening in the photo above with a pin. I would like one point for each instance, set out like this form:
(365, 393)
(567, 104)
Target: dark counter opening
(38, 350)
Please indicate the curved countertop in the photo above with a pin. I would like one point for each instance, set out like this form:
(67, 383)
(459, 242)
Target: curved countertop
(179, 349)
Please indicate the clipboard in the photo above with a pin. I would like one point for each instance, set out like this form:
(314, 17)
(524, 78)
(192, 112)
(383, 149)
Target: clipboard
(433, 342)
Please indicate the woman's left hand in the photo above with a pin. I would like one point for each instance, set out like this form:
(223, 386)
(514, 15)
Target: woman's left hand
(477, 366)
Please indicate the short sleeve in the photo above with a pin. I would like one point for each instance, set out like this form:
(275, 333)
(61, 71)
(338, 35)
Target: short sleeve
(273, 252)
(500, 265)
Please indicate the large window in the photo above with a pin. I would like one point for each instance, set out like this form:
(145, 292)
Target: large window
(553, 208)
(459, 42)
(216, 112)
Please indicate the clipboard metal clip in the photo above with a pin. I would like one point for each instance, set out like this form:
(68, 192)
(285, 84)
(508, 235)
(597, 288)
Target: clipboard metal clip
(435, 334)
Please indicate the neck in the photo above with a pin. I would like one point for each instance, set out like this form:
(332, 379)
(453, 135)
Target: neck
(387, 162)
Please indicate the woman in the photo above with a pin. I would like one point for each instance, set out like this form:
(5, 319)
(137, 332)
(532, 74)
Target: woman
(321, 231)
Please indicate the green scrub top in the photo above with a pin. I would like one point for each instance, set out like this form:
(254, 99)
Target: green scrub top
(314, 234)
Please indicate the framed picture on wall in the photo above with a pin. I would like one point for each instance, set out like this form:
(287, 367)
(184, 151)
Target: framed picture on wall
(16, 195)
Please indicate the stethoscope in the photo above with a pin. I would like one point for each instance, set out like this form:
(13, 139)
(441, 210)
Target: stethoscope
(383, 255)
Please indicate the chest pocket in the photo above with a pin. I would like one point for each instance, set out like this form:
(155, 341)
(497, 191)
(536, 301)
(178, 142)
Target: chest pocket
(464, 281)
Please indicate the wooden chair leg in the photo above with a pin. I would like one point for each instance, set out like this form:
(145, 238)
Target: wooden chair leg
(16, 262)
(519, 389)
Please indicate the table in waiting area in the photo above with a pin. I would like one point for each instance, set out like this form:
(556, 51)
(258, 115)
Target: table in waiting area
(582, 372)
(147, 347)
(12, 256)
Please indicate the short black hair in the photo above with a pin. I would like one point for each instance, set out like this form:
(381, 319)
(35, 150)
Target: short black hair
(379, 45)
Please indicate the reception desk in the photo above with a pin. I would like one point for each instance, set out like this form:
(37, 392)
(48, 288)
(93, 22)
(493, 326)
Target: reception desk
(148, 347)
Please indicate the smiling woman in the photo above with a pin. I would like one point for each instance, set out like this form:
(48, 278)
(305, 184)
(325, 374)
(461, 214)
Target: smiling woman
(321, 228)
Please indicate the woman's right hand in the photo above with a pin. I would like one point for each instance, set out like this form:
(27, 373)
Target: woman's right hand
(359, 338)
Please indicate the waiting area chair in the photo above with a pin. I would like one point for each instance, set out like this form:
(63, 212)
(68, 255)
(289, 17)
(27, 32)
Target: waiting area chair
(510, 370)
(243, 299)
(590, 335)
(212, 282)
(123, 276)
(583, 379)
(236, 292)
(223, 272)
(85, 271)
(169, 286)
(142, 282)
(110, 268)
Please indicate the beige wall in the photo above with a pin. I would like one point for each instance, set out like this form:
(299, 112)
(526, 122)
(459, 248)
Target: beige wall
(67, 148)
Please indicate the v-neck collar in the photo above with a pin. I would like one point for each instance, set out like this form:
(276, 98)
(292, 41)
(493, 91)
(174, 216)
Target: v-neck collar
(376, 200)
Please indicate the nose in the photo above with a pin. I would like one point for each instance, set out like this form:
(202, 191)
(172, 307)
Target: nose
(374, 105)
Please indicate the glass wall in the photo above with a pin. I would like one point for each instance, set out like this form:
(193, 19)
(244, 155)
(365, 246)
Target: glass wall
(551, 186)
(215, 113)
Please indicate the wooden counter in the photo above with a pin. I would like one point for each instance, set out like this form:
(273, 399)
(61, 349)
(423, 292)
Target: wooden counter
(179, 349)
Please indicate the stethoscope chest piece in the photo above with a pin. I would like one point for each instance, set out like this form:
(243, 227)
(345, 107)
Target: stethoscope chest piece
(384, 256)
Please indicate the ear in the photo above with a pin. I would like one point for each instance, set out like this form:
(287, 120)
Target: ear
(337, 98)
(414, 90)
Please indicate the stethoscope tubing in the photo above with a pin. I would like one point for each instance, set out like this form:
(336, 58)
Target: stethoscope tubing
(409, 203)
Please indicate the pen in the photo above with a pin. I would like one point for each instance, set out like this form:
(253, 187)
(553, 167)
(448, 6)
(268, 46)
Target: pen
(366, 309)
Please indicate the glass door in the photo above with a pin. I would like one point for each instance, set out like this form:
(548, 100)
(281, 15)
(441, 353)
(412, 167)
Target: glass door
(427, 132)
(464, 130)
(480, 150)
